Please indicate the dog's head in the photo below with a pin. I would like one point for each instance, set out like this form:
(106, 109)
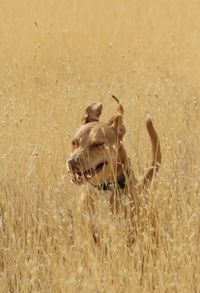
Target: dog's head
(97, 151)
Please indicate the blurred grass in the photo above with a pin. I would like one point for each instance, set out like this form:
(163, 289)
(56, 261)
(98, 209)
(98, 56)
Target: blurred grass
(55, 59)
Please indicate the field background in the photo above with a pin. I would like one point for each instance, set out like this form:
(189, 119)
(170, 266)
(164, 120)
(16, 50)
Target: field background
(56, 57)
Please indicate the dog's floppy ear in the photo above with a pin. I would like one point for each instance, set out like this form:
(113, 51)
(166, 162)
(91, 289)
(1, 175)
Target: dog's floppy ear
(118, 125)
(117, 121)
(92, 113)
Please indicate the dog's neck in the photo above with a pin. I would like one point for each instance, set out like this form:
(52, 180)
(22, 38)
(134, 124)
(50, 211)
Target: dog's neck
(123, 162)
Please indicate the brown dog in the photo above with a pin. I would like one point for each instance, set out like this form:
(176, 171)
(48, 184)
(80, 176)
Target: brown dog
(99, 159)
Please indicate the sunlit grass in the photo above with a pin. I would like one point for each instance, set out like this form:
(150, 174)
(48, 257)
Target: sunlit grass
(55, 59)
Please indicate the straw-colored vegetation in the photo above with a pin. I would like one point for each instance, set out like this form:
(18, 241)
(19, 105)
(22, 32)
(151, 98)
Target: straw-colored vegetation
(56, 57)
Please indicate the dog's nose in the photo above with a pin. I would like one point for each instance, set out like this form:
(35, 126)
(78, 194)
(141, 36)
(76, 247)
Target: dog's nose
(73, 162)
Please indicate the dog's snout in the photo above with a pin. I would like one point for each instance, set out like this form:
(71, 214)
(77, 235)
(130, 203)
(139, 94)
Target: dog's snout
(73, 162)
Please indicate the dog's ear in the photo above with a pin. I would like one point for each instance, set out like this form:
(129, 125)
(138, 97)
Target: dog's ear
(117, 122)
(92, 113)
(118, 125)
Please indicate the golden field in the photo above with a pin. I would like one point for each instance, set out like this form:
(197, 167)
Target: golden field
(56, 57)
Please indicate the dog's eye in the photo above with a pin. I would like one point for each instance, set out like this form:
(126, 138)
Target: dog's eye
(75, 143)
(97, 144)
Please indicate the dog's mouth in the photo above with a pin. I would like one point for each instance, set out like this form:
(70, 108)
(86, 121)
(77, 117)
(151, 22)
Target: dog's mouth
(81, 177)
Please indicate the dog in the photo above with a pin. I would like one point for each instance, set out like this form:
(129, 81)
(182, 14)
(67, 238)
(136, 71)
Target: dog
(99, 160)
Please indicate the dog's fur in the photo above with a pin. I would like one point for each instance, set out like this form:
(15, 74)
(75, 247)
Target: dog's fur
(99, 159)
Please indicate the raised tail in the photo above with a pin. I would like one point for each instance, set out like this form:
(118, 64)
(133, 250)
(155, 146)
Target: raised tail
(156, 153)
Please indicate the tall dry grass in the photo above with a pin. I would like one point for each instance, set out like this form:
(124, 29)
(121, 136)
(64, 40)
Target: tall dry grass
(55, 58)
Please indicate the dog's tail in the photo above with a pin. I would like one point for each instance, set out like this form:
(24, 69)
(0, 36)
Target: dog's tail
(156, 153)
